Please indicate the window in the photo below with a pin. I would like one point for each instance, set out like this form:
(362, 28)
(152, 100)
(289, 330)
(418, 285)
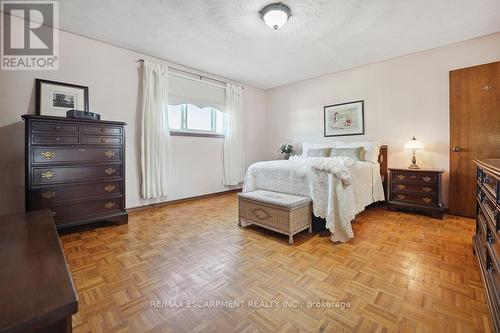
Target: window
(188, 118)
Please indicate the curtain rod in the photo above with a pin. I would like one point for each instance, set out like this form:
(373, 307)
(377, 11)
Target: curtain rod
(198, 75)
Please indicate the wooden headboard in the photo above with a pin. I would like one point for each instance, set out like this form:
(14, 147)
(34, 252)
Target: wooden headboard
(382, 160)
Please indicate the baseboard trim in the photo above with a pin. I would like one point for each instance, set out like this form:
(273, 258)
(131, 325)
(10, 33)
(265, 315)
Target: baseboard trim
(173, 202)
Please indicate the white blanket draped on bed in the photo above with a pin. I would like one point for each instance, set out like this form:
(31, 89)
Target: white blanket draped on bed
(337, 186)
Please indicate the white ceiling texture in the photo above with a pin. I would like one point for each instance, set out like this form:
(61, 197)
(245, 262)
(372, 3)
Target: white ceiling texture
(228, 38)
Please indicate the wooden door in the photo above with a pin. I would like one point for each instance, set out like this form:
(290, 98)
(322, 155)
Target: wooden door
(474, 130)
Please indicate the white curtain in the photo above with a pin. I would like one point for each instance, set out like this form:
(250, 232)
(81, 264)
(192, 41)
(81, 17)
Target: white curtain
(155, 135)
(234, 168)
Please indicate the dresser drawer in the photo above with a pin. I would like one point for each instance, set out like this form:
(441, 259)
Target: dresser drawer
(55, 127)
(102, 130)
(54, 155)
(420, 199)
(102, 140)
(43, 196)
(490, 183)
(492, 272)
(54, 139)
(67, 213)
(414, 187)
(60, 174)
(482, 226)
(420, 177)
(493, 240)
(489, 207)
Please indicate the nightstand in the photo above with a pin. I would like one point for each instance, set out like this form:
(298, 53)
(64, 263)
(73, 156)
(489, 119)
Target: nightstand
(417, 190)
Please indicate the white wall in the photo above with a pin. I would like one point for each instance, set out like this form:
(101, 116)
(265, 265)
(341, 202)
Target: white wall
(404, 96)
(113, 77)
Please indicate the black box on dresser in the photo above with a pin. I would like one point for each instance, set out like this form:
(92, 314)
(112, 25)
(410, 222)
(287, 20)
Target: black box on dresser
(487, 238)
(75, 168)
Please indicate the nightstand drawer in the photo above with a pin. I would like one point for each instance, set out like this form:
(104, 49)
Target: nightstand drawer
(419, 199)
(416, 177)
(413, 187)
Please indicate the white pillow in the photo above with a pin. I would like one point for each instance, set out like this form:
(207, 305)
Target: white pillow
(371, 149)
(307, 145)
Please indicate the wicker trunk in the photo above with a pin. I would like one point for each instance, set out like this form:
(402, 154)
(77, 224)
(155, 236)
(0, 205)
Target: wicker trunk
(289, 216)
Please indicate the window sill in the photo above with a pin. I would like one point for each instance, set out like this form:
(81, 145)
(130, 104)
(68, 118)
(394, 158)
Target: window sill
(197, 134)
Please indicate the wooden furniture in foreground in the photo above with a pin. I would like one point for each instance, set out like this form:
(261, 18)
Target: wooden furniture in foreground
(417, 190)
(474, 126)
(37, 293)
(284, 213)
(487, 238)
(75, 168)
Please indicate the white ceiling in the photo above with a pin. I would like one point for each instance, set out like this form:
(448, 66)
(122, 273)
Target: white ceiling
(227, 37)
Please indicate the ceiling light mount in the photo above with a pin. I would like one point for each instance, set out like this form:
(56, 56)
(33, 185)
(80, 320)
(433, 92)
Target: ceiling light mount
(275, 15)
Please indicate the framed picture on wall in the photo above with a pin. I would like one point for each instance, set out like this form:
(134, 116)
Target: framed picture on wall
(344, 119)
(55, 98)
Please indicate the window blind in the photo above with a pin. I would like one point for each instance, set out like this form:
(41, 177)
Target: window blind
(183, 90)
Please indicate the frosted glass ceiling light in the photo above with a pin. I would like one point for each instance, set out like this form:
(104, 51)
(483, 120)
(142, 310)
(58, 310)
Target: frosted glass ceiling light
(275, 15)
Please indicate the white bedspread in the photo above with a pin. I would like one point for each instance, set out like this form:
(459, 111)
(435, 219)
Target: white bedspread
(339, 187)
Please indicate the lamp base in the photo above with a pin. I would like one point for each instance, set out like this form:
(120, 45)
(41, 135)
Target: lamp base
(414, 162)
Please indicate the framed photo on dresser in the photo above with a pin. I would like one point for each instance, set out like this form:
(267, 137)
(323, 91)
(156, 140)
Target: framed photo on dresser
(344, 119)
(55, 98)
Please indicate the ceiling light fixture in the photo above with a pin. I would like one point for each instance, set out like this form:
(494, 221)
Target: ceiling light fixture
(275, 15)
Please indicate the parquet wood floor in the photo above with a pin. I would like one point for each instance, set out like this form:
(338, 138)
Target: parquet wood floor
(402, 272)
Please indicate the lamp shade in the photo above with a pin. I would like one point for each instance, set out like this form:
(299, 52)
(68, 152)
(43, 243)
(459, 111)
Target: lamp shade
(413, 144)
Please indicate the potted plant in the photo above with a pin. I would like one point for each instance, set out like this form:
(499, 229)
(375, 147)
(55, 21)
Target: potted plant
(286, 149)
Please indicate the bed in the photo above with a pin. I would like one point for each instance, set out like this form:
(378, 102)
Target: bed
(339, 187)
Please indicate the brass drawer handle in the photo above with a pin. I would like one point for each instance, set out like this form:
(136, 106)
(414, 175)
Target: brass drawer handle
(426, 200)
(401, 196)
(491, 239)
(401, 176)
(48, 195)
(109, 171)
(109, 154)
(426, 179)
(48, 174)
(426, 189)
(58, 139)
(109, 205)
(109, 188)
(48, 155)
(401, 187)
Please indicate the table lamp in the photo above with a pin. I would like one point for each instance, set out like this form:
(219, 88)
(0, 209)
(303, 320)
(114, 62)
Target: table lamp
(413, 145)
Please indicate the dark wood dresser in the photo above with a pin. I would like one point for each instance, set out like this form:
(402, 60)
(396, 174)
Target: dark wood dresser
(37, 292)
(75, 168)
(487, 238)
(416, 190)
